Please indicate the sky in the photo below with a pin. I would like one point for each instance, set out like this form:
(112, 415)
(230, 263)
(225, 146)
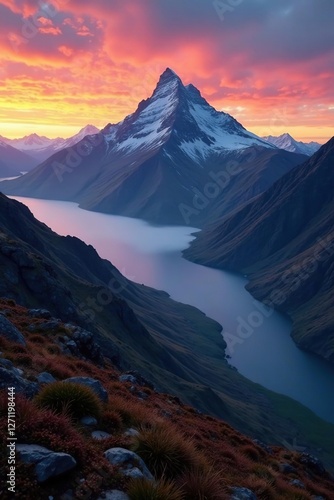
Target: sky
(67, 63)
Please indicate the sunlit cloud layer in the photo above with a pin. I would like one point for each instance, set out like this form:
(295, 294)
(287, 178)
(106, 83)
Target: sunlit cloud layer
(68, 63)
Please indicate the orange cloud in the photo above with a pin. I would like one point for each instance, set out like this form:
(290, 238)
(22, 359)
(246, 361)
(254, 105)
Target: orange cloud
(65, 61)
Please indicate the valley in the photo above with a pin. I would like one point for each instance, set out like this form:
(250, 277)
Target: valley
(152, 255)
(174, 345)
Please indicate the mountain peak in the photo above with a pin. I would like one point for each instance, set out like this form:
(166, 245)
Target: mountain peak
(170, 73)
(169, 76)
(287, 135)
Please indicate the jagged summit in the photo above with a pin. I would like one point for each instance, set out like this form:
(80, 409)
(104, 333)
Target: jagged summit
(150, 163)
(169, 74)
(287, 142)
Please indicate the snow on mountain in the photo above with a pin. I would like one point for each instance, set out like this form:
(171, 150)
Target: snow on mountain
(71, 141)
(31, 142)
(285, 141)
(41, 147)
(156, 161)
(179, 113)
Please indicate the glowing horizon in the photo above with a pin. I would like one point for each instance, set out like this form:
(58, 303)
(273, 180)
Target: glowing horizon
(71, 63)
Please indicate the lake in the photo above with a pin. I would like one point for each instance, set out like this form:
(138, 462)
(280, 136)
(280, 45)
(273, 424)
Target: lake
(259, 341)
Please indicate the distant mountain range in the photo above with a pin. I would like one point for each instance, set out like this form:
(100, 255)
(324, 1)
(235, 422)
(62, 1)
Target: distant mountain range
(169, 162)
(285, 141)
(40, 148)
(284, 240)
(13, 161)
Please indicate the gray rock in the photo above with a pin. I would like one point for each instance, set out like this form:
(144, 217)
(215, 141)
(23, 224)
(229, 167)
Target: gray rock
(131, 432)
(100, 435)
(88, 421)
(114, 495)
(70, 344)
(127, 378)
(12, 378)
(287, 468)
(140, 380)
(133, 472)
(297, 483)
(87, 346)
(128, 460)
(47, 463)
(45, 378)
(10, 332)
(93, 384)
(242, 494)
(313, 463)
(51, 325)
(6, 363)
(40, 313)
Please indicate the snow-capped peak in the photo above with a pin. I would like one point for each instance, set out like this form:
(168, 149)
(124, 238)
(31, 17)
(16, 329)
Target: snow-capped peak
(287, 142)
(41, 147)
(71, 141)
(179, 113)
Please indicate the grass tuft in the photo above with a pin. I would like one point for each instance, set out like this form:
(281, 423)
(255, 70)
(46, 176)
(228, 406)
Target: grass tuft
(75, 400)
(142, 489)
(166, 452)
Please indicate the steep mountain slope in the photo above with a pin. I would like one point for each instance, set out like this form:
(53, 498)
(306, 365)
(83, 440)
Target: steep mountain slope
(284, 240)
(13, 162)
(174, 345)
(232, 460)
(157, 162)
(285, 141)
(41, 148)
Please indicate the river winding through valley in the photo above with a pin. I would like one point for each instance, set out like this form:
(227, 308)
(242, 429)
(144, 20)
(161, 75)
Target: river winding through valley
(261, 350)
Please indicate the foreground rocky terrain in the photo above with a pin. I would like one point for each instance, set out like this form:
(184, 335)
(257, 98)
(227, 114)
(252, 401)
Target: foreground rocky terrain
(87, 430)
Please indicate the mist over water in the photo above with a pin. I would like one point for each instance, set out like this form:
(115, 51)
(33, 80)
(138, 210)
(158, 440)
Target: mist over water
(152, 255)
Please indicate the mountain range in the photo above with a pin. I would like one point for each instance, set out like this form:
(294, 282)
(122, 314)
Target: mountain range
(285, 141)
(35, 149)
(165, 163)
(283, 240)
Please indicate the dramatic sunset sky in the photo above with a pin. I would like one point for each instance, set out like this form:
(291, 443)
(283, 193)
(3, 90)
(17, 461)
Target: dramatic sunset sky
(66, 63)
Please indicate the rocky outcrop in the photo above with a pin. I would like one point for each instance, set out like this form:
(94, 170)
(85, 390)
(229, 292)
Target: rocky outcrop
(45, 378)
(11, 377)
(40, 313)
(114, 495)
(48, 464)
(82, 344)
(242, 494)
(10, 332)
(129, 462)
